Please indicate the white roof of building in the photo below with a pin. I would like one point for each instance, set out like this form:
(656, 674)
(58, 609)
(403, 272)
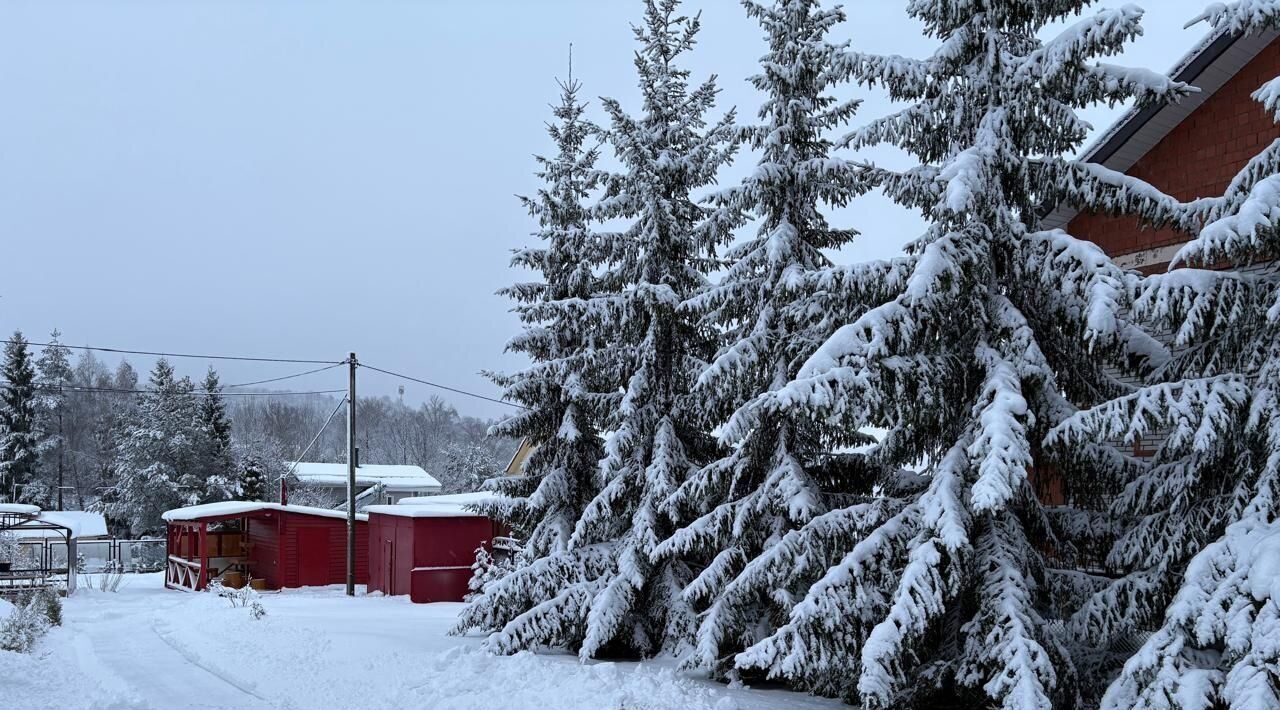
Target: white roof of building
(237, 507)
(393, 478)
(422, 511)
(451, 499)
(81, 524)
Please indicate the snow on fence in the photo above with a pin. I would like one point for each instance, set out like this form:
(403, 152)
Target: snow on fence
(145, 555)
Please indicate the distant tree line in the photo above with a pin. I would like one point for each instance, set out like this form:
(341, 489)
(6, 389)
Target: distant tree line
(77, 433)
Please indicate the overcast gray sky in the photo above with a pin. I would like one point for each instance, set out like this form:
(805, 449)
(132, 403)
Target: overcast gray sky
(302, 179)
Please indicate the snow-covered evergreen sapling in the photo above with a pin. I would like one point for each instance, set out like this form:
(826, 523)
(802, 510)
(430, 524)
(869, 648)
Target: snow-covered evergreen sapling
(485, 570)
(774, 306)
(1204, 538)
(19, 439)
(53, 409)
(158, 462)
(216, 458)
(938, 586)
(50, 604)
(542, 505)
(607, 594)
(23, 627)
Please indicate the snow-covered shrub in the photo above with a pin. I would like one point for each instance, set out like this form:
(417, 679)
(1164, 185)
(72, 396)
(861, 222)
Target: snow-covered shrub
(109, 580)
(49, 603)
(486, 569)
(23, 627)
(245, 597)
(8, 546)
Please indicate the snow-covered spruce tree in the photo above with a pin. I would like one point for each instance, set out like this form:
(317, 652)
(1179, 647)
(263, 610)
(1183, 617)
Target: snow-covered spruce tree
(157, 464)
(260, 461)
(939, 587)
(216, 459)
(53, 411)
(560, 478)
(614, 598)
(466, 468)
(769, 308)
(1204, 537)
(19, 440)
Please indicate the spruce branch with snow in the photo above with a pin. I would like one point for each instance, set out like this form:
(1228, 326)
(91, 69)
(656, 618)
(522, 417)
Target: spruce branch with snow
(606, 593)
(772, 311)
(561, 386)
(1198, 555)
(944, 589)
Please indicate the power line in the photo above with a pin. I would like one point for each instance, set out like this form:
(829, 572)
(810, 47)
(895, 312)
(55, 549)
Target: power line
(162, 354)
(193, 393)
(440, 386)
(287, 377)
(314, 439)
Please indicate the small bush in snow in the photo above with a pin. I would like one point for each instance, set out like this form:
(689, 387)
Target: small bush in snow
(49, 603)
(246, 597)
(8, 547)
(108, 581)
(23, 627)
(486, 569)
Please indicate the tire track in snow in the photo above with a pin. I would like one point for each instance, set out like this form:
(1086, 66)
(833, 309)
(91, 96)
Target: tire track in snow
(194, 660)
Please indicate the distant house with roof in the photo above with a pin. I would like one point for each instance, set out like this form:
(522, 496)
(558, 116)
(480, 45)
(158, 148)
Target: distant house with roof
(1189, 149)
(515, 467)
(375, 483)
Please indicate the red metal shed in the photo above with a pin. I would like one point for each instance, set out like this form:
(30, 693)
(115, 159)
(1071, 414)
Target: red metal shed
(282, 545)
(424, 551)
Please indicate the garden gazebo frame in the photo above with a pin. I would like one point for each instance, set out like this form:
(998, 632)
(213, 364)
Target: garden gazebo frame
(17, 519)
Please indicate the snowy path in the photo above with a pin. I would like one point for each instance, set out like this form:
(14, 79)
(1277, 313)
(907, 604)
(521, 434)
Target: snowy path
(126, 651)
(147, 648)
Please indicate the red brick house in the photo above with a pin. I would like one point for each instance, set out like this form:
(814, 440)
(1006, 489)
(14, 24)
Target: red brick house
(1189, 149)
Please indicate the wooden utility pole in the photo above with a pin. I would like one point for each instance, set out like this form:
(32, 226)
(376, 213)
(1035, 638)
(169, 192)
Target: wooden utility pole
(351, 476)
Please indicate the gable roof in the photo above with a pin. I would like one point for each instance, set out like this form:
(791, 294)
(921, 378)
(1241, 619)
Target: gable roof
(234, 508)
(393, 478)
(1208, 66)
(28, 521)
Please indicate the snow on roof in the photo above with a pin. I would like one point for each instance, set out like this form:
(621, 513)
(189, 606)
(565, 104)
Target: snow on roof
(82, 524)
(456, 502)
(451, 499)
(79, 523)
(394, 478)
(237, 507)
(422, 511)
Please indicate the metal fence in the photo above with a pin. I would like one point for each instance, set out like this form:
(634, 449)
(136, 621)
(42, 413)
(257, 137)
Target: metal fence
(146, 555)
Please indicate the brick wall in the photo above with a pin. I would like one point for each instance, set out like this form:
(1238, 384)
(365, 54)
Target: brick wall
(1197, 159)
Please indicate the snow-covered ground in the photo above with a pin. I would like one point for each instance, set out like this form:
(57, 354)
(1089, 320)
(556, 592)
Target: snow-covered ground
(147, 648)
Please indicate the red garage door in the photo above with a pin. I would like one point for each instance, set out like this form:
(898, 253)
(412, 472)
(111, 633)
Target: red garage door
(313, 556)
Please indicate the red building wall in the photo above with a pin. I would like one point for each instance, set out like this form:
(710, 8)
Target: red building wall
(299, 549)
(1198, 158)
(264, 555)
(428, 558)
(285, 555)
